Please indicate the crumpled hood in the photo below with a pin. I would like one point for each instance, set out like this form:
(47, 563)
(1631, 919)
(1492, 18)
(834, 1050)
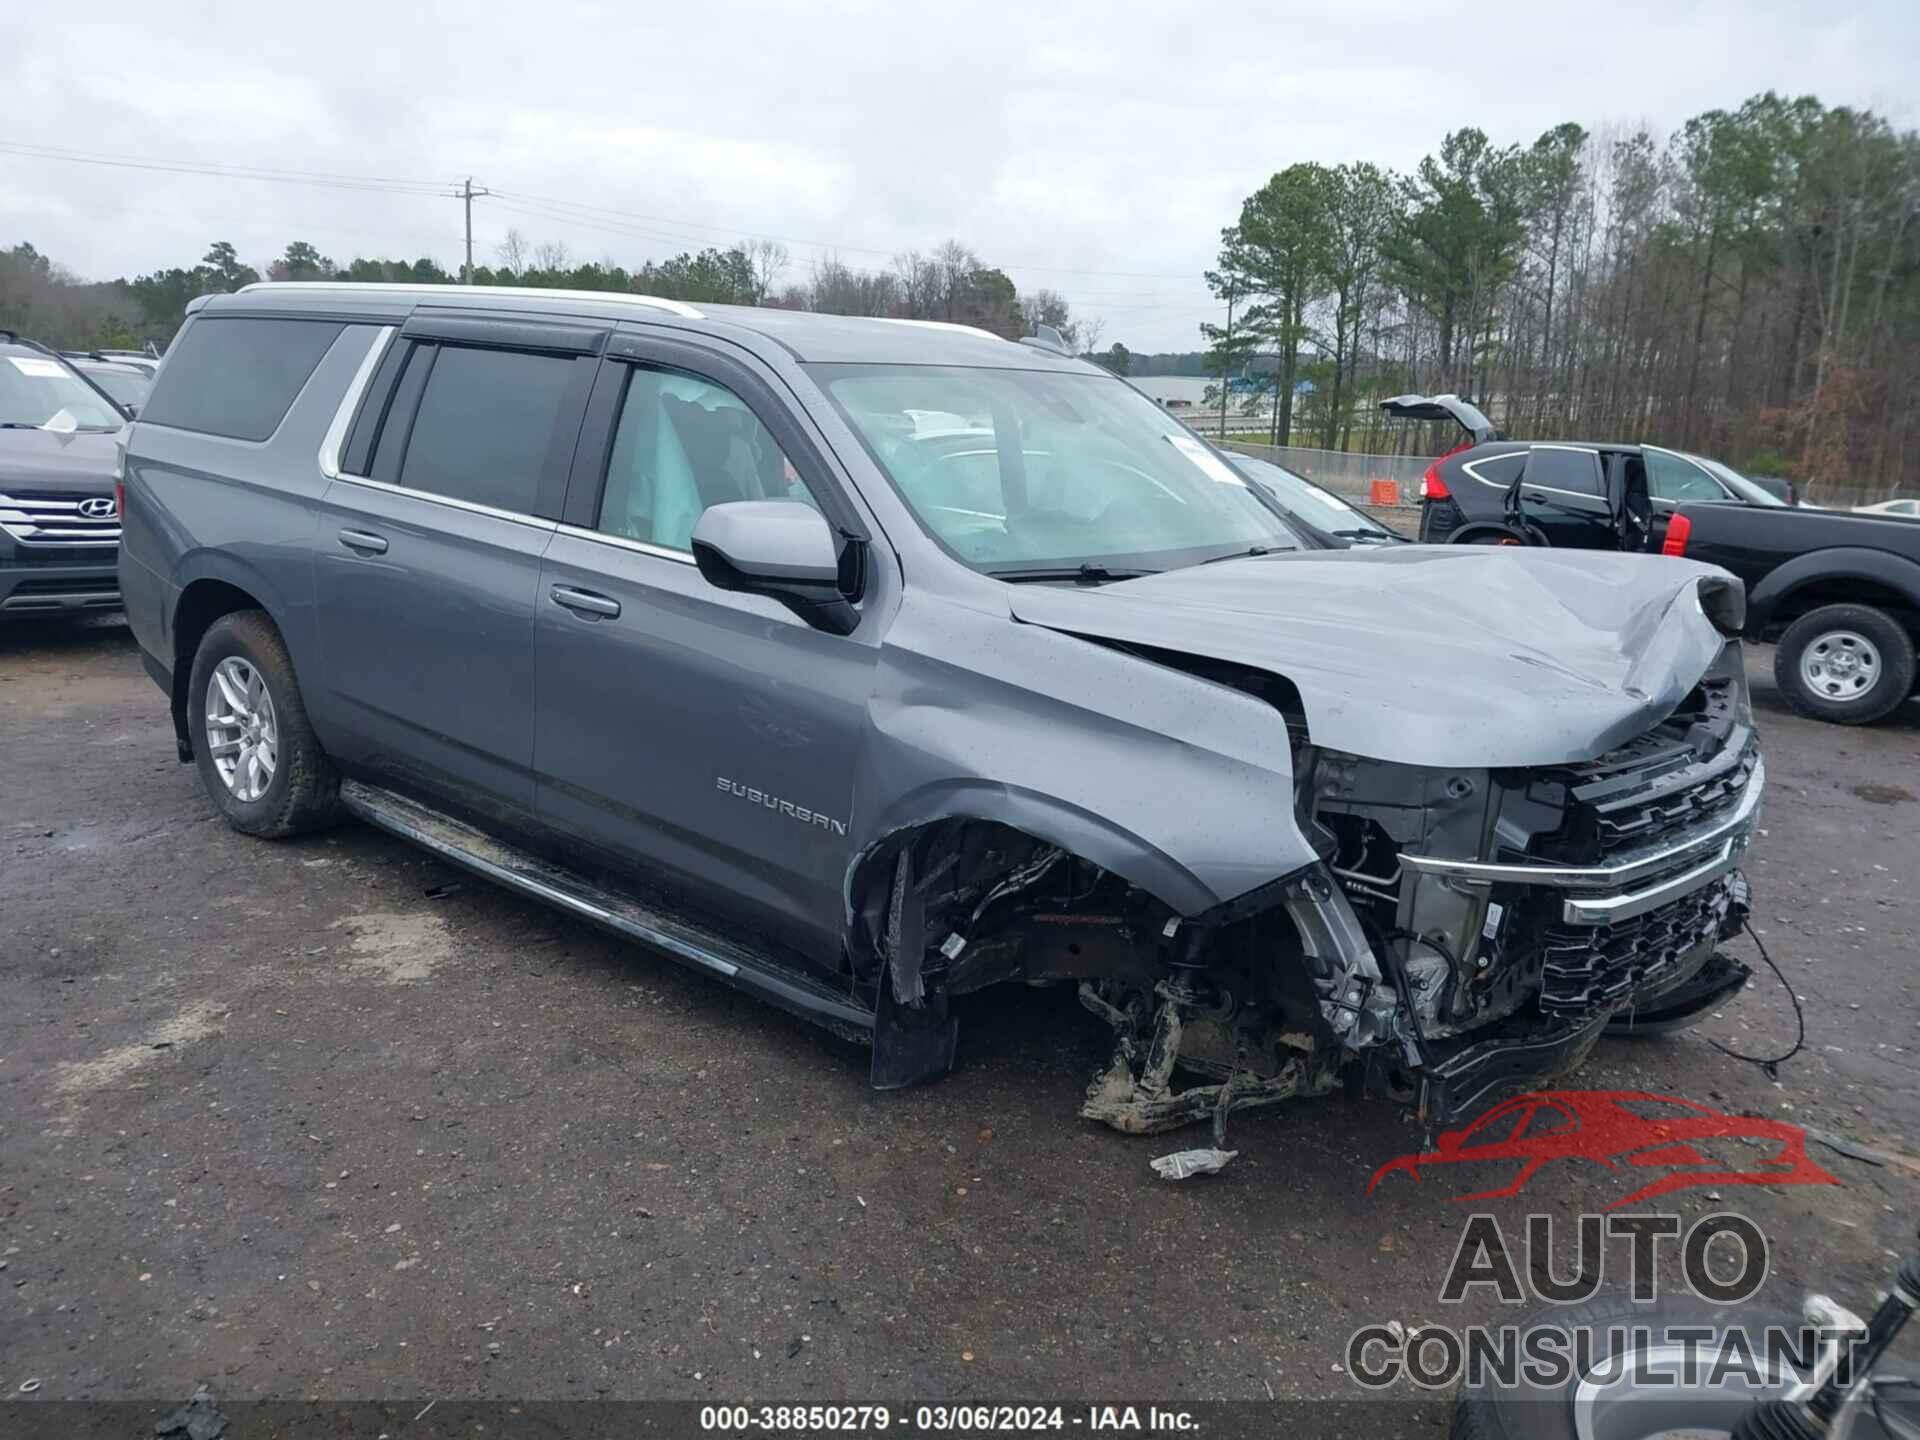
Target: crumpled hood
(47, 461)
(1439, 655)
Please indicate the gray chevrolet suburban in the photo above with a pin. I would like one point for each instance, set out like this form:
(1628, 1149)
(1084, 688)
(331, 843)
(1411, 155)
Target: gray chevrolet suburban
(863, 664)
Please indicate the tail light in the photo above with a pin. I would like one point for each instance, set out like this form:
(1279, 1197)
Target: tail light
(1432, 487)
(1678, 529)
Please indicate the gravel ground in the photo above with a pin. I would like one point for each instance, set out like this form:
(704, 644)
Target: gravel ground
(330, 1119)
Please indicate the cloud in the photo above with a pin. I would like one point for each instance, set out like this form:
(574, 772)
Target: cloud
(1094, 147)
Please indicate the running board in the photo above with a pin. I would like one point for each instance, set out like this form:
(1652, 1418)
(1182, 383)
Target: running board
(686, 941)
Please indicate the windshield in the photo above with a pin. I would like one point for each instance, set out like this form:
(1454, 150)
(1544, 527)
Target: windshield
(124, 384)
(1321, 509)
(1736, 482)
(39, 392)
(1015, 470)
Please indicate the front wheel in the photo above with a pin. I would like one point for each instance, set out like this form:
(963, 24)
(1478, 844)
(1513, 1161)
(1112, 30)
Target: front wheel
(1628, 1368)
(1850, 664)
(257, 755)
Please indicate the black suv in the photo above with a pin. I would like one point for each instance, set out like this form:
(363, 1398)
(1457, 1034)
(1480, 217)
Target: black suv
(59, 517)
(1496, 491)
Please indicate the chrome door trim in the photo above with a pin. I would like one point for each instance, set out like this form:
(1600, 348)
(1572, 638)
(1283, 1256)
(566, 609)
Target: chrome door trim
(350, 402)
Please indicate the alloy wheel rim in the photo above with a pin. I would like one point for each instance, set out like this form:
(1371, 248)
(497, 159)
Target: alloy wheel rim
(243, 735)
(1841, 665)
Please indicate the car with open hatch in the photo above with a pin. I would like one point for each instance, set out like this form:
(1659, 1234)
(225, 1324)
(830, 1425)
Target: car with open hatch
(864, 664)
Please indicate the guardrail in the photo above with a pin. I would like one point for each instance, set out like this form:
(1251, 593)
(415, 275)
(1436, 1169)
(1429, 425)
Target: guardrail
(1357, 477)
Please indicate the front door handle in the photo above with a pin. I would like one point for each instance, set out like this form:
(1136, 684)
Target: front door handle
(364, 542)
(584, 602)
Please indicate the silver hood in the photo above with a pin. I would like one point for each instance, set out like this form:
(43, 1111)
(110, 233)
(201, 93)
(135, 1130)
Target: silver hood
(1438, 655)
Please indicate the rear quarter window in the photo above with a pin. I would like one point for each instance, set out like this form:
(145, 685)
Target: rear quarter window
(237, 376)
(1574, 470)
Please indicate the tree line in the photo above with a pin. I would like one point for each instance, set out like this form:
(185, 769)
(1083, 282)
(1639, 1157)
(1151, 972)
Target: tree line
(40, 298)
(1748, 287)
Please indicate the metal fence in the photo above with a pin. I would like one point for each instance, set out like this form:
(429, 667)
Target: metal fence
(1345, 474)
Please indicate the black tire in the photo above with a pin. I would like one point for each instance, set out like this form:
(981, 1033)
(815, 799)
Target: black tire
(1526, 1412)
(1895, 663)
(304, 791)
(1491, 537)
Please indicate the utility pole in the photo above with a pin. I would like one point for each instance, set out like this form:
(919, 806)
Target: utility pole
(466, 193)
(1228, 347)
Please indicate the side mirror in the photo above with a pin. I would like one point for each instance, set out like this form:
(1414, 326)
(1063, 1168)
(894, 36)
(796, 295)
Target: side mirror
(778, 548)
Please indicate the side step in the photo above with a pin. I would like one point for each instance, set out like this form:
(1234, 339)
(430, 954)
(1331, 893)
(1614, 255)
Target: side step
(686, 941)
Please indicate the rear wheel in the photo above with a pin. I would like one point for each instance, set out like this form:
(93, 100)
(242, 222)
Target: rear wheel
(1846, 663)
(256, 752)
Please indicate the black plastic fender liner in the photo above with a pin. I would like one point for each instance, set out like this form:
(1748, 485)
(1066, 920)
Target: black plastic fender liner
(911, 1044)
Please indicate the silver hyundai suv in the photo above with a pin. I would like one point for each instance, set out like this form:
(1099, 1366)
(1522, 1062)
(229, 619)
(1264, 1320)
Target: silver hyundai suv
(863, 664)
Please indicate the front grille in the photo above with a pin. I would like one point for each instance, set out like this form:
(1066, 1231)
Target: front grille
(58, 520)
(1650, 813)
(1588, 966)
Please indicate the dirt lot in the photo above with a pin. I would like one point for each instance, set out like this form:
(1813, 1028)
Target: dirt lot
(330, 1119)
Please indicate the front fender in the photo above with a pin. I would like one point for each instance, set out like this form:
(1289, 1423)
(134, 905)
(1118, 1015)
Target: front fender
(1181, 786)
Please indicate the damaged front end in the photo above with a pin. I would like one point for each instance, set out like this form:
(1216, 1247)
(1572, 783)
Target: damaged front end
(1460, 933)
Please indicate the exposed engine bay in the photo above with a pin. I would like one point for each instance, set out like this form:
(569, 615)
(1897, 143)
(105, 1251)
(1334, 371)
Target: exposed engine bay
(1462, 933)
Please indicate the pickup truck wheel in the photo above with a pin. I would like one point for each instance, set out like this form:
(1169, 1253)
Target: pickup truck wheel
(1846, 663)
(256, 752)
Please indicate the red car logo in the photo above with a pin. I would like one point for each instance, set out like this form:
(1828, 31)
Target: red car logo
(1616, 1128)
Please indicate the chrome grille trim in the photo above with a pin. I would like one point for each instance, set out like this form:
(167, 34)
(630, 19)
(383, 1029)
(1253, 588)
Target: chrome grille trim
(50, 520)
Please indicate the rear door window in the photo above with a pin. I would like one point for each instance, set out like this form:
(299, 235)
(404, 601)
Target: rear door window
(487, 423)
(237, 375)
(1576, 471)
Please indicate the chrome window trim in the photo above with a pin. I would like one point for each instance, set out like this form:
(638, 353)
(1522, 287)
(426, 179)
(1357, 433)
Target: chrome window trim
(533, 522)
(1599, 494)
(336, 435)
(1730, 832)
(621, 542)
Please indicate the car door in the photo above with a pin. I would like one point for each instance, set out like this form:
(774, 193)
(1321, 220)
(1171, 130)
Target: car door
(427, 565)
(1672, 481)
(703, 737)
(1562, 492)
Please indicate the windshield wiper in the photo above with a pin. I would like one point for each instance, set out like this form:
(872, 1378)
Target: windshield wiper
(1243, 554)
(1365, 534)
(1088, 574)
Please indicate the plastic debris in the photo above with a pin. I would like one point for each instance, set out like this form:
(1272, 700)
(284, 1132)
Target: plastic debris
(1182, 1163)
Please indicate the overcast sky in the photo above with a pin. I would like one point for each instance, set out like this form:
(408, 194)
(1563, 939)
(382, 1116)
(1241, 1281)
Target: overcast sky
(1097, 148)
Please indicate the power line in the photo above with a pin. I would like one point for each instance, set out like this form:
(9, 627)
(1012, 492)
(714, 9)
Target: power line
(324, 179)
(543, 207)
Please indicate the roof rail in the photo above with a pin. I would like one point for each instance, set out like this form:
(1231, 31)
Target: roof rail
(941, 325)
(652, 302)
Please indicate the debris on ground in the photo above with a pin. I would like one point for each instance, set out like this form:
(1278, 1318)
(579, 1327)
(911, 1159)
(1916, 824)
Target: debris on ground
(198, 1419)
(1182, 1163)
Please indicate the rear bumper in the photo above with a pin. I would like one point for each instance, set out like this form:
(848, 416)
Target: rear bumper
(43, 589)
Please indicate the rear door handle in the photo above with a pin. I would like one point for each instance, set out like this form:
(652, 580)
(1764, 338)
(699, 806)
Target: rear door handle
(364, 542)
(584, 602)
